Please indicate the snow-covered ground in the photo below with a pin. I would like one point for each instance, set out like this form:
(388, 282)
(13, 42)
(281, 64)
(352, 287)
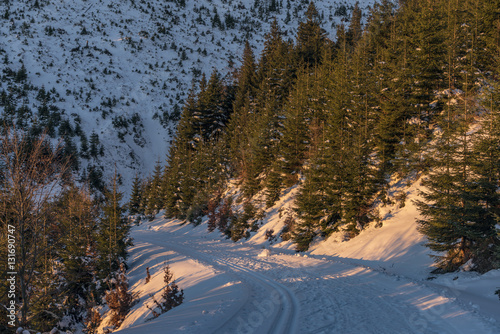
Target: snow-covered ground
(379, 282)
(121, 68)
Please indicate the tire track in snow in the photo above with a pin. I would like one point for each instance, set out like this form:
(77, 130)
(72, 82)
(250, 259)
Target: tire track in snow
(236, 307)
(249, 315)
(288, 306)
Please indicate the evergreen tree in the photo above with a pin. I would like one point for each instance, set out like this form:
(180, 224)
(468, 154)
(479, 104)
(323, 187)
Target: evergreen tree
(77, 221)
(209, 116)
(276, 73)
(113, 238)
(242, 119)
(246, 80)
(311, 38)
(459, 206)
(274, 184)
(171, 184)
(185, 132)
(311, 203)
(486, 166)
(171, 295)
(355, 28)
(134, 205)
(118, 298)
(155, 196)
(95, 145)
(302, 111)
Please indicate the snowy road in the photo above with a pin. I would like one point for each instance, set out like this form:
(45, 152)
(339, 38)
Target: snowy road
(230, 289)
(265, 307)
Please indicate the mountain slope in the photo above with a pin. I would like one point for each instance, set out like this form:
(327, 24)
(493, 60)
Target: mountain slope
(337, 287)
(123, 69)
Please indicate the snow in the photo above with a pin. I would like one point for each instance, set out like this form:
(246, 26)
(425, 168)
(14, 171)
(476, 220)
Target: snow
(378, 282)
(264, 253)
(100, 50)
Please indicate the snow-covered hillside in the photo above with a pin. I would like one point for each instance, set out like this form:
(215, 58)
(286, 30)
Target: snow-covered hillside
(124, 68)
(378, 282)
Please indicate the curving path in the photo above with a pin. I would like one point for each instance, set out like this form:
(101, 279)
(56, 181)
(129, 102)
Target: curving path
(287, 294)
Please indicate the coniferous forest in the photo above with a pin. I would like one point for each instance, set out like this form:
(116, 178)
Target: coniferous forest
(408, 90)
(70, 242)
(413, 92)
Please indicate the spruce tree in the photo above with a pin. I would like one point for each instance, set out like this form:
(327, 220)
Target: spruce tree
(113, 237)
(276, 73)
(246, 80)
(209, 117)
(134, 205)
(94, 145)
(311, 38)
(118, 298)
(77, 219)
(296, 135)
(155, 195)
(355, 28)
(274, 185)
(171, 296)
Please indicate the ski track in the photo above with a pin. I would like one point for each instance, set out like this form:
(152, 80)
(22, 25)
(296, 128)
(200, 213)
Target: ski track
(250, 315)
(292, 294)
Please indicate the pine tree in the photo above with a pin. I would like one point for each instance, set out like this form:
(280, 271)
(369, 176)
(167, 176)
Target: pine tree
(296, 139)
(242, 223)
(242, 119)
(186, 131)
(274, 185)
(485, 164)
(246, 80)
(134, 205)
(155, 195)
(276, 75)
(171, 184)
(118, 298)
(311, 203)
(77, 220)
(355, 28)
(459, 203)
(94, 145)
(171, 295)
(113, 238)
(311, 38)
(450, 207)
(211, 115)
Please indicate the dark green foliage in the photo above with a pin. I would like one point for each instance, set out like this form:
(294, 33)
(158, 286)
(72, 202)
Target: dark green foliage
(136, 198)
(77, 220)
(95, 145)
(93, 176)
(311, 38)
(243, 222)
(113, 237)
(355, 28)
(154, 198)
(301, 113)
(274, 184)
(341, 119)
(460, 201)
(210, 116)
(246, 79)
